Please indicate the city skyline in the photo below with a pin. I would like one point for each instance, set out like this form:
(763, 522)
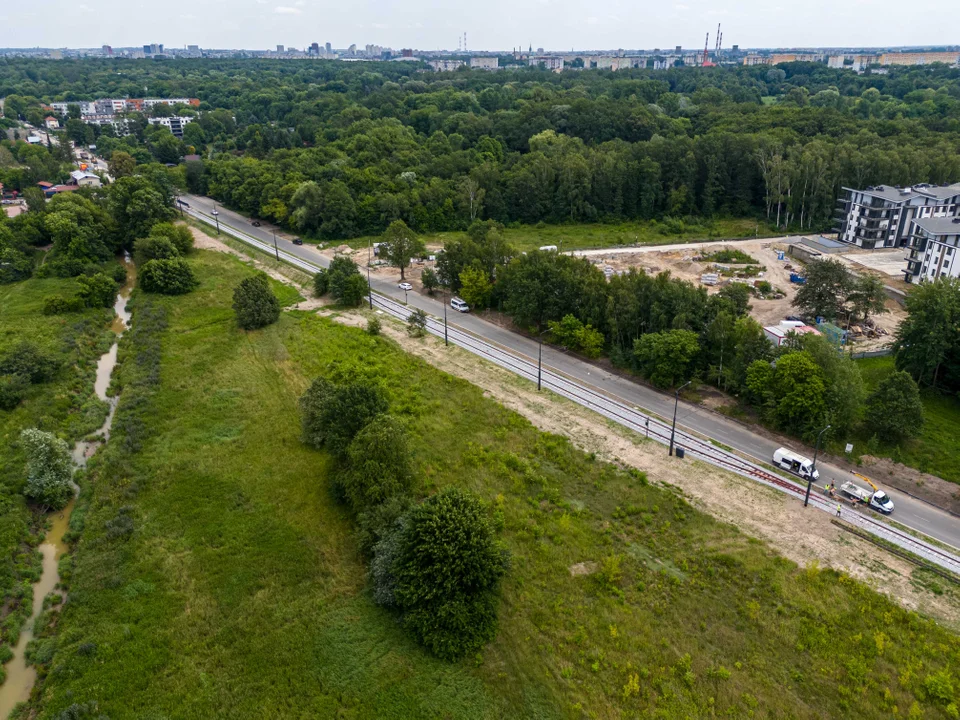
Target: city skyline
(557, 25)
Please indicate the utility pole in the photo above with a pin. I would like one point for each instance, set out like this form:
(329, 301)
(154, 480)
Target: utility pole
(676, 404)
(216, 217)
(813, 467)
(540, 358)
(275, 248)
(446, 340)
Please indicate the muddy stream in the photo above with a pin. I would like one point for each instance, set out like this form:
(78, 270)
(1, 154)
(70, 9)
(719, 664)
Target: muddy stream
(20, 676)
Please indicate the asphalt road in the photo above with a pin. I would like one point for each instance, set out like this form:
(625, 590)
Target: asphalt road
(909, 511)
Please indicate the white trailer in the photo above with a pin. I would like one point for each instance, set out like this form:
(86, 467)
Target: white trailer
(878, 500)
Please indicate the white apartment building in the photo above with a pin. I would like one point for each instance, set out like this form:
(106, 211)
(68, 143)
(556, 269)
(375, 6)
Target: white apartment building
(881, 216)
(548, 62)
(176, 124)
(934, 249)
(485, 63)
(446, 65)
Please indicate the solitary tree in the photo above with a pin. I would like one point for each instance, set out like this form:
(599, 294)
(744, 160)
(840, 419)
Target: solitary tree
(49, 468)
(332, 414)
(441, 568)
(894, 409)
(401, 245)
(826, 289)
(254, 303)
(867, 297)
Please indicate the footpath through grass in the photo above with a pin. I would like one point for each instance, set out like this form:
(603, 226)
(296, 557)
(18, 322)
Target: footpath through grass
(217, 578)
(936, 449)
(65, 405)
(597, 235)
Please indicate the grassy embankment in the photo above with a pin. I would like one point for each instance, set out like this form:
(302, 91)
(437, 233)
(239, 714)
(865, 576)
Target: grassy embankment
(66, 405)
(216, 577)
(936, 449)
(597, 235)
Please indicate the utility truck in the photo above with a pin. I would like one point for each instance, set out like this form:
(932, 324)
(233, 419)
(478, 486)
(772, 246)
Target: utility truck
(797, 464)
(876, 498)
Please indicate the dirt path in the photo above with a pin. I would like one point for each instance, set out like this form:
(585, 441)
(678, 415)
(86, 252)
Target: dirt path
(804, 537)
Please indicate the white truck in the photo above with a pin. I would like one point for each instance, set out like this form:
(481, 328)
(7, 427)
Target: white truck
(797, 464)
(877, 499)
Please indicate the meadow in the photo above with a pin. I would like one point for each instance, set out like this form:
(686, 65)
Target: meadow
(936, 449)
(65, 405)
(214, 575)
(600, 235)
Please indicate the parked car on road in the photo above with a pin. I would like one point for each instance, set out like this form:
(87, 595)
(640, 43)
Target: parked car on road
(405, 286)
(256, 223)
(459, 305)
(297, 241)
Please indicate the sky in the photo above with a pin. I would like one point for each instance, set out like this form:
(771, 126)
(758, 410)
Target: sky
(489, 24)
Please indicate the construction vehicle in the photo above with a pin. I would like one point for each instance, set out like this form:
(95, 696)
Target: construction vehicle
(876, 499)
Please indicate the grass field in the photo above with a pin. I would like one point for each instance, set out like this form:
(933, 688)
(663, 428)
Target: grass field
(937, 449)
(66, 405)
(217, 578)
(597, 235)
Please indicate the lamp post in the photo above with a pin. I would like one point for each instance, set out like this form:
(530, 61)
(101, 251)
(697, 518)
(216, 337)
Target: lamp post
(676, 404)
(406, 300)
(813, 467)
(275, 248)
(446, 340)
(369, 289)
(540, 357)
(216, 218)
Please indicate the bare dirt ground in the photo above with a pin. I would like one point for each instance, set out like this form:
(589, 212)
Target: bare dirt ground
(681, 263)
(804, 537)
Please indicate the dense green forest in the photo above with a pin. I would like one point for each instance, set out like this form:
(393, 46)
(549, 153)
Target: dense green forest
(338, 150)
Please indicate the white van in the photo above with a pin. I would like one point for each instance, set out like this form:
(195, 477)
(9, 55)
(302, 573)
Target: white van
(548, 248)
(797, 464)
(459, 305)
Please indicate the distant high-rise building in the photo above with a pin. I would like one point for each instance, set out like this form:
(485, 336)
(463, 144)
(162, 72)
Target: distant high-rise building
(314, 49)
(329, 48)
(352, 49)
(107, 50)
(736, 48)
(678, 49)
(153, 49)
(279, 48)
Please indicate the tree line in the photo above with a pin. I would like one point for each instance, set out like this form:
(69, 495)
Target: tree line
(334, 150)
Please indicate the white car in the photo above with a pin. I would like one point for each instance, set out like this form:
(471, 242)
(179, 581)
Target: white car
(459, 305)
(405, 286)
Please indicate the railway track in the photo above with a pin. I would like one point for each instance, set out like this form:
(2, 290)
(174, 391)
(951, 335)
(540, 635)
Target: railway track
(630, 417)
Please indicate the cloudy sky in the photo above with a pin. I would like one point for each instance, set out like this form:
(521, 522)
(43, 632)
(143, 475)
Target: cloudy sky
(489, 24)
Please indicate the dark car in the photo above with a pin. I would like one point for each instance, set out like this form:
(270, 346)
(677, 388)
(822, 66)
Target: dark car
(256, 223)
(183, 204)
(297, 241)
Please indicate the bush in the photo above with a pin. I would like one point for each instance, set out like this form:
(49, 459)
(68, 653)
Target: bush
(441, 568)
(354, 291)
(49, 468)
(59, 305)
(374, 326)
(167, 277)
(179, 235)
(321, 283)
(254, 303)
(572, 333)
(333, 414)
(15, 265)
(894, 409)
(379, 464)
(98, 290)
(340, 271)
(28, 360)
(417, 323)
(429, 280)
(119, 274)
(13, 388)
(154, 247)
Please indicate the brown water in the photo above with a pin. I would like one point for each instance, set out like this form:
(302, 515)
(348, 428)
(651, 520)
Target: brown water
(20, 676)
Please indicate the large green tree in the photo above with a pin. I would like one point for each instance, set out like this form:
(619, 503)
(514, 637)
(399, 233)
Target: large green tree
(400, 245)
(928, 340)
(894, 409)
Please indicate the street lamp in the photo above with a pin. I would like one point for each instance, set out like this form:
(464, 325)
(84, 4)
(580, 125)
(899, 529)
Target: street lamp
(216, 218)
(275, 248)
(446, 341)
(406, 301)
(676, 404)
(813, 467)
(540, 357)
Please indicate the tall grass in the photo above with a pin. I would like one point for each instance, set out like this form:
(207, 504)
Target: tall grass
(217, 577)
